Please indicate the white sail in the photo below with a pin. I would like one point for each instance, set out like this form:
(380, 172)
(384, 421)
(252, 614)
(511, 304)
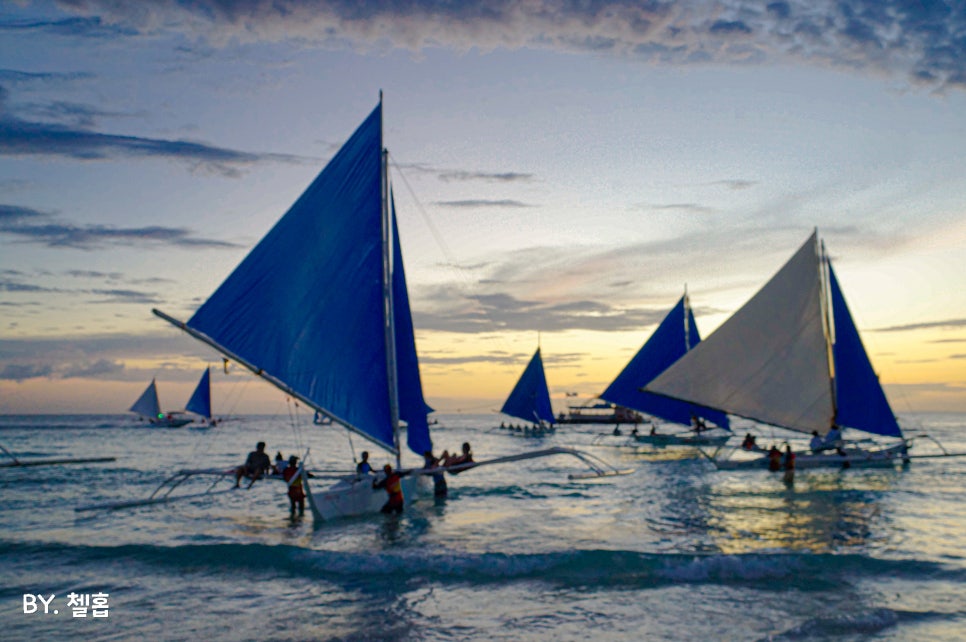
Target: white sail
(147, 404)
(769, 361)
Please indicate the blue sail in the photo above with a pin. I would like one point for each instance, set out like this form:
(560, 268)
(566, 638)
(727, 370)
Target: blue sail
(306, 306)
(675, 335)
(860, 401)
(412, 405)
(530, 398)
(200, 402)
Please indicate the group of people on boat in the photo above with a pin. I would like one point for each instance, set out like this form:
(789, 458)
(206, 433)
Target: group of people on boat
(535, 428)
(391, 479)
(258, 465)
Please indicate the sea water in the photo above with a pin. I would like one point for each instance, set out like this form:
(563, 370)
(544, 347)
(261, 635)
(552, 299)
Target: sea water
(674, 551)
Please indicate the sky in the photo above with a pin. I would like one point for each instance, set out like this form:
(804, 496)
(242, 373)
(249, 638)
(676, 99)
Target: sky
(562, 170)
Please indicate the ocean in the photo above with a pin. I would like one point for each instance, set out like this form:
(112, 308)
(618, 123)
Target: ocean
(674, 551)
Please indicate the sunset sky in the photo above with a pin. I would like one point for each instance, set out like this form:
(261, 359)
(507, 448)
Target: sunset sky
(562, 172)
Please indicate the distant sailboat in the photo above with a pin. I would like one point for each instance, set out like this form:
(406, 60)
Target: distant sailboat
(149, 408)
(200, 401)
(791, 357)
(673, 338)
(530, 398)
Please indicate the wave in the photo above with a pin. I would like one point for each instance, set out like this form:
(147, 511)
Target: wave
(578, 568)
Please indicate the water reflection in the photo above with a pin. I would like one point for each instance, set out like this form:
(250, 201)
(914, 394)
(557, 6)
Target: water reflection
(821, 512)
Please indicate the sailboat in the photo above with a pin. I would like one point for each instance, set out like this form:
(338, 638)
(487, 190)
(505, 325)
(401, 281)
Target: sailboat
(530, 398)
(149, 409)
(200, 401)
(791, 357)
(320, 309)
(674, 337)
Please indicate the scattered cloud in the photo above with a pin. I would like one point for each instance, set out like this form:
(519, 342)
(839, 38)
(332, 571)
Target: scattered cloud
(482, 203)
(28, 138)
(920, 41)
(19, 372)
(35, 226)
(103, 356)
(926, 325)
(489, 177)
(87, 27)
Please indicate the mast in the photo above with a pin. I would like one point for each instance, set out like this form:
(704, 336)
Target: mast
(829, 326)
(389, 318)
(687, 324)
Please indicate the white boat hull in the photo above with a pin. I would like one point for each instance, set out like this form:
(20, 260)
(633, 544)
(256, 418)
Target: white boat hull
(852, 458)
(354, 496)
(682, 440)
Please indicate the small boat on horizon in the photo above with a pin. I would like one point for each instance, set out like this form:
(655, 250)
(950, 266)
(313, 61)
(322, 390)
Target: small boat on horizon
(148, 408)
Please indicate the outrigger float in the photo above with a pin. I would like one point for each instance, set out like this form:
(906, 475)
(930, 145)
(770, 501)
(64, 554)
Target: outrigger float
(15, 462)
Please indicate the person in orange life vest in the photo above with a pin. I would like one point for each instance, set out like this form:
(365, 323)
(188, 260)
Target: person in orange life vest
(392, 482)
(293, 477)
(788, 463)
(774, 459)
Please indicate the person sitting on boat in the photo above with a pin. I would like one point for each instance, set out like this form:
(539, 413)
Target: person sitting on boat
(774, 459)
(256, 465)
(833, 440)
(296, 494)
(392, 482)
(364, 467)
(816, 444)
(699, 425)
(456, 460)
(280, 464)
(439, 478)
(749, 442)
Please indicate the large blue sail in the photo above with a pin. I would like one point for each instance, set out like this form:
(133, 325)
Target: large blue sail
(530, 398)
(673, 338)
(200, 402)
(412, 405)
(306, 306)
(861, 403)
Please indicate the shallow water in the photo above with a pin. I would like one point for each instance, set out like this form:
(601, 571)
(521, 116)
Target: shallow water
(674, 551)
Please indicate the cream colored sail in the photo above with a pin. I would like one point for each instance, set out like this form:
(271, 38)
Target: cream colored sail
(770, 360)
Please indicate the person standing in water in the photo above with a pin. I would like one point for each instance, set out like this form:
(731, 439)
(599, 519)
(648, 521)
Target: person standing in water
(392, 482)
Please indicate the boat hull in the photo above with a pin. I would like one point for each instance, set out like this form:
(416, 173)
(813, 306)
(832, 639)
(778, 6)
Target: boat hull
(852, 458)
(354, 496)
(177, 422)
(682, 440)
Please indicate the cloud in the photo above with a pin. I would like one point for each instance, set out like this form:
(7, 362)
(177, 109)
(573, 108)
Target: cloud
(926, 325)
(501, 311)
(36, 226)
(19, 372)
(27, 138)
(17, 77)
(489, 177)
(920, 41)
(103, 356)
(481, 202)
(95, 369)
(89, 27)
